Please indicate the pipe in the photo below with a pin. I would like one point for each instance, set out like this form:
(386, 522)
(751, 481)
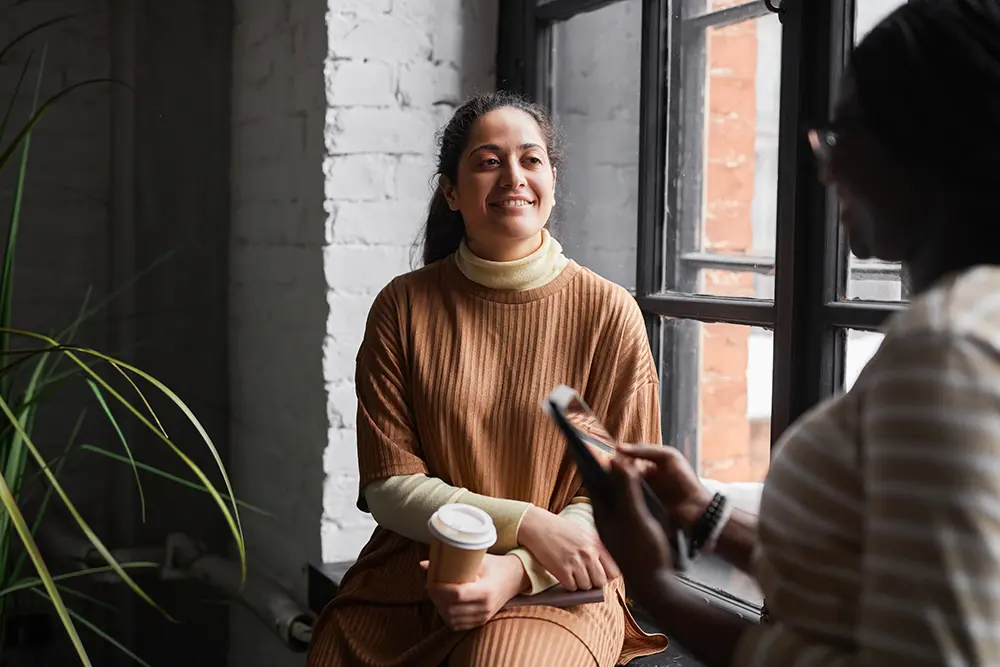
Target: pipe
(183, 558)
(263, 596)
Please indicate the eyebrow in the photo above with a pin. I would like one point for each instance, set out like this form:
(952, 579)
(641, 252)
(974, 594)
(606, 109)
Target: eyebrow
(494, 147)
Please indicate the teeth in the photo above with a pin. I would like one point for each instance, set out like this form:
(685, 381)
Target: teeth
(512, 203)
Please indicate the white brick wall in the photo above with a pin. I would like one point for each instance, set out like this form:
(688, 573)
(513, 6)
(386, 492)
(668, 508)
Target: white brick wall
(395, 71)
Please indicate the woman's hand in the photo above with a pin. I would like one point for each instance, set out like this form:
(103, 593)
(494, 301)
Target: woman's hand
(573, 554)
(673, 480)
(471, 605)
(633, 537)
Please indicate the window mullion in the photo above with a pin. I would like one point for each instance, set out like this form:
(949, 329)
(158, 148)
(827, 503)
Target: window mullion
(807, 356)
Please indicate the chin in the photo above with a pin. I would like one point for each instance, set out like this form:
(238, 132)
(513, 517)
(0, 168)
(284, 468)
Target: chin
(517, 226)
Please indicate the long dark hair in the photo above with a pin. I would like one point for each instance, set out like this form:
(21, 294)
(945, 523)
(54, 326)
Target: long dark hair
(444, 229)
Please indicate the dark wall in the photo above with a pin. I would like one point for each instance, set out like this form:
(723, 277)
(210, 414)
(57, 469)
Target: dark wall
(121, 177)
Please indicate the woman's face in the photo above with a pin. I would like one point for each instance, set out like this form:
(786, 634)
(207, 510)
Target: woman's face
(506, 185)
(881, 209)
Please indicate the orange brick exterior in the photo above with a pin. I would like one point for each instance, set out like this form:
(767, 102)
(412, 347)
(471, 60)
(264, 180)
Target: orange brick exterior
(733, 448)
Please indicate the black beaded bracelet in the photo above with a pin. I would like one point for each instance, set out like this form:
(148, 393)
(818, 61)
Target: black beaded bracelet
(706, 524)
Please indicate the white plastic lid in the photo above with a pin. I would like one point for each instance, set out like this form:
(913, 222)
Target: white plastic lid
(463, 527)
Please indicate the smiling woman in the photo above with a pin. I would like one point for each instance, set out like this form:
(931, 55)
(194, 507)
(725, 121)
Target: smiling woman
(497, 172)
(456, 359)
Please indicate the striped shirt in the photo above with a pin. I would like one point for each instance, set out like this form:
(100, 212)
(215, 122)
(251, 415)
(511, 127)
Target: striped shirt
(880, 517)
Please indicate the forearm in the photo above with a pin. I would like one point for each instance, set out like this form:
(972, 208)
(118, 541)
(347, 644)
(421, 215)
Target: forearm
(738, 540)
(405, 503)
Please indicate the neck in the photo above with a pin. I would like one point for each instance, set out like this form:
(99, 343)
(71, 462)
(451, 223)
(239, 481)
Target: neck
(535, 269)
(508, 252)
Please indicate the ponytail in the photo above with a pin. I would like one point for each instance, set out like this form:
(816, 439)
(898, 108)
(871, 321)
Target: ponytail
(444, 229)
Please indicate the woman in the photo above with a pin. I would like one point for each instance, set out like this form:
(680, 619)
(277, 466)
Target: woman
(455, 362)
(879, 530)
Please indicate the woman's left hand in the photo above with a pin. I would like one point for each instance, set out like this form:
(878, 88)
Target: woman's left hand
(471, 605)
(634, 538)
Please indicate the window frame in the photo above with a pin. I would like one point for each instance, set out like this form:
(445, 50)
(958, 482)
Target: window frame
(808, 316)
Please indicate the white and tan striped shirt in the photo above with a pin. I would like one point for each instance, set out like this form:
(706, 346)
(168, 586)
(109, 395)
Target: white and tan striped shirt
(880, 517)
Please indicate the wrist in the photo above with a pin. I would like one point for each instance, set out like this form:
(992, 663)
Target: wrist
(530, 526)
(518, 581)
(691, 509)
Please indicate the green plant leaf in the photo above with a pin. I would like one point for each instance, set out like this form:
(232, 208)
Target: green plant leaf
(13, 98)
(7, 499)
(173, 478)
(13, 226)
(80, 521)
(233, 518)
(37, 116)
(121, 436)
(19, 564)
(29, 32)
(100, 633)
(34, 582)
(72, 592)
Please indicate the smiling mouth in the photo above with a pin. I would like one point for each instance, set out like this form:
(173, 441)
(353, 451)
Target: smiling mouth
(512, 203)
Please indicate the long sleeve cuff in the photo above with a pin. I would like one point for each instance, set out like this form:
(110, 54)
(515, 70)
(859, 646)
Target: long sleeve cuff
(404, 504)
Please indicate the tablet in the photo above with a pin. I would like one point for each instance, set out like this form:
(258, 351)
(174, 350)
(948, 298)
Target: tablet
(590, 443)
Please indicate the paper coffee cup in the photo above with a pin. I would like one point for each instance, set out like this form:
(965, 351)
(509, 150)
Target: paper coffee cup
(460, 536)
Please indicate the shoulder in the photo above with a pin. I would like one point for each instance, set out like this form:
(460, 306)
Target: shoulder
(409, 286)
(606, 299)
(964, 305)
(394, 304)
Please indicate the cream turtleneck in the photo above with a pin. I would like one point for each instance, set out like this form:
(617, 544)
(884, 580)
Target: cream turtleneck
(537, 269)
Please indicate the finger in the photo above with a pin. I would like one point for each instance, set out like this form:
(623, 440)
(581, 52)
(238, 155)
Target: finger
(581, 575)
(659, 455)
(630, 492)
(468, 622)
(567, 579)
(609, 564)
(595, 570)
(425, 565)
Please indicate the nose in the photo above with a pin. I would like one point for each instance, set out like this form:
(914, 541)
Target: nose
(513, 176)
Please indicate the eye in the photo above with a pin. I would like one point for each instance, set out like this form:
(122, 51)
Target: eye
(534, 159)
(490, 162)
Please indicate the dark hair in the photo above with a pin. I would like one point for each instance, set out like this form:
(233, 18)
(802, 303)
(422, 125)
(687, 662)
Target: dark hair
(928, 83)
(444, 229)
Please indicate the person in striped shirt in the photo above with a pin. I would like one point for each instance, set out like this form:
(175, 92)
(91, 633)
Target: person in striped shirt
(878, 537)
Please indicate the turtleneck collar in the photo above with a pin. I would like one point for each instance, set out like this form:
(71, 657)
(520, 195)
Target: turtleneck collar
(537, 269)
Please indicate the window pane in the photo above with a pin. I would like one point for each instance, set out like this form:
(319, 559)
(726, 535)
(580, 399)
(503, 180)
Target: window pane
(596, 102)
(725, 167)
(861, 346)
(719, 397)
(872, 279)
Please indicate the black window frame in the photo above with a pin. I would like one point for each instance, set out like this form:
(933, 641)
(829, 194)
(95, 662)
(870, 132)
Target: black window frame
(809, 315)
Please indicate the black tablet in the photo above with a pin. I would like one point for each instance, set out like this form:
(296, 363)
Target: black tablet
(583, 431)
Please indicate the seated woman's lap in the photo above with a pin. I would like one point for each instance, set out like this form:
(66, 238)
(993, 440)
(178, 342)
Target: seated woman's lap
(525, 642)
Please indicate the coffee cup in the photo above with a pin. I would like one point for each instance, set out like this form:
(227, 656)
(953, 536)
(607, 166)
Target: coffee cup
(460, 536)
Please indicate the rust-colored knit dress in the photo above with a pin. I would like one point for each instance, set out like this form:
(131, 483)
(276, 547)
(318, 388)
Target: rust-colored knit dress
(450, 379)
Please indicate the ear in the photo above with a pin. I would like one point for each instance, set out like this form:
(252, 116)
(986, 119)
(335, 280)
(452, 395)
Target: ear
(450, 193)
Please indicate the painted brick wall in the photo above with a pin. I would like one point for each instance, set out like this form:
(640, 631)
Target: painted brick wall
(394, 74)
(277, 299)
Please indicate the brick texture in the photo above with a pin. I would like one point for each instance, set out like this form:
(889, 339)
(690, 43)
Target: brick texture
(394, 73)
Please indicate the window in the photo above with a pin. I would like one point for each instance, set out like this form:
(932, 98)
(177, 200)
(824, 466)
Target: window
(689, 181)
